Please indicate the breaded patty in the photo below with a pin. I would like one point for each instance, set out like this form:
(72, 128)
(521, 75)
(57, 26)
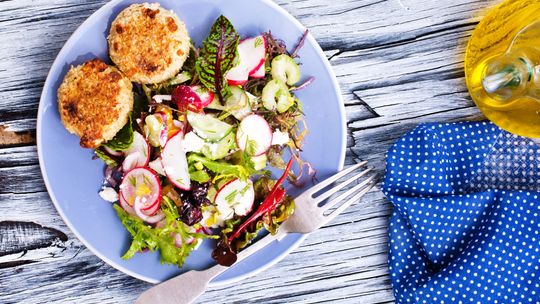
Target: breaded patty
(148, 43)
(94, 101)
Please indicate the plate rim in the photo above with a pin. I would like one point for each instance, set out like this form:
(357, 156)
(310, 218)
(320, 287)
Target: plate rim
(46, 87)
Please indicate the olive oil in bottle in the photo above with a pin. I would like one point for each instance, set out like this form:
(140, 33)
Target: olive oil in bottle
(502, 66)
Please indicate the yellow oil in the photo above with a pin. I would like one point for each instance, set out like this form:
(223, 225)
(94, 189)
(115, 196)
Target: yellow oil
(492, 38)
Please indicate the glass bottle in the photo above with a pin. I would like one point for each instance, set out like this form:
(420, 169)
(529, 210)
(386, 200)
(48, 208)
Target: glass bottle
(503, 66)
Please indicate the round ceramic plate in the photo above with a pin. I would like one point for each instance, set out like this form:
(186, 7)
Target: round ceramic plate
(73, 179)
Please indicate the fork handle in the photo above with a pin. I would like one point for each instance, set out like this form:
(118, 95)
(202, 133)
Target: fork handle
(188, 286)
(184, 288)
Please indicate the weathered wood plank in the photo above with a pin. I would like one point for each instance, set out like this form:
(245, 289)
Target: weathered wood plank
(17, 237)
(18, 156)
(21, 179)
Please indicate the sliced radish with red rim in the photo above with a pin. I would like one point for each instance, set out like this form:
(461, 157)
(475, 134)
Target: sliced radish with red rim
(251, 55)
(141, 187)
(260, 72)
(193, 98)
(238, 75)
(138, 154)
(157, 166)
(124, 204)
(173, 159)
(152, 219)
(164, 133)
(254, 135)
(112, 152)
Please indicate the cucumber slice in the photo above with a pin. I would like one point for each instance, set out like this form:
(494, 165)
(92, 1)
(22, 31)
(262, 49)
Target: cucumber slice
(238, 103)
(253, 100)
(180, 78)
(285, 103)
(259, 162)
(285, 69)
(213, 151)
(276, 96)
(215, 104)
(220, 149)
(208, 127)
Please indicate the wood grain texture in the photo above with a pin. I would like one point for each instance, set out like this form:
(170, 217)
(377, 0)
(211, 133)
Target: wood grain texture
(399, 63)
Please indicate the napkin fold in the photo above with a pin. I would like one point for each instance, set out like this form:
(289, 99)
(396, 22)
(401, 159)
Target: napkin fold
(466, 220)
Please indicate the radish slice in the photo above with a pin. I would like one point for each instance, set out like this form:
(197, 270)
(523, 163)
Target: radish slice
(237, 196)
(178, 241)
(254, 130)
(238, 75)
(193, 98)
(141, 149)
(152, 219)
(178, 238)
(251, 55)
(112, 152)
(164, 133)
(142, 186)
(204, 94)
(260, 72)
(173, 159)
(178, 124)
(131, 161)
(152, 209)
(124, 204)
(157, 166)
(253, 51)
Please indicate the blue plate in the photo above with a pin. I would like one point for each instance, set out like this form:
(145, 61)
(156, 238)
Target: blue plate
(73, 179)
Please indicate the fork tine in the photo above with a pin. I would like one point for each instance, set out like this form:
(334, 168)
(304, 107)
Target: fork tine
(335, 177)
(344, 195)
(328, 193)
(345, 205)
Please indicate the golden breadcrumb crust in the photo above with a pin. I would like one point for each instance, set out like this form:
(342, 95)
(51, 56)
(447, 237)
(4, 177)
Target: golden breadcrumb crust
(148, 43)
(94, 101)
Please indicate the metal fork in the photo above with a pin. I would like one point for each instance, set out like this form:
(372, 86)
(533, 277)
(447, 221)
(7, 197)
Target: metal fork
(309, 215)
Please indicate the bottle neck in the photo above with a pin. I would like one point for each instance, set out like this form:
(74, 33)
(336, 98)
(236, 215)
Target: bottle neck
(506, 78)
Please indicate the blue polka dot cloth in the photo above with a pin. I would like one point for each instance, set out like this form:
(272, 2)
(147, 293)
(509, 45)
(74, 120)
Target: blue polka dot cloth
(466, 220)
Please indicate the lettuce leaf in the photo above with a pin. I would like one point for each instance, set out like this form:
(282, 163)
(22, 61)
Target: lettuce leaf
(217, 57)
(109, 161)
(223, 169)
(123, 139)
(145, 237)
(199, 176)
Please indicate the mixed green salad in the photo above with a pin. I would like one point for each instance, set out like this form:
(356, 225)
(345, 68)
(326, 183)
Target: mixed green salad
(192, 163)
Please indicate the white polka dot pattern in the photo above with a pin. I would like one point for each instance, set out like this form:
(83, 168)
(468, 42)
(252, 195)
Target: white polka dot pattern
(466, 223)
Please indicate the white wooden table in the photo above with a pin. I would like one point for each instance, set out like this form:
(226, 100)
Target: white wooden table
(399, 63)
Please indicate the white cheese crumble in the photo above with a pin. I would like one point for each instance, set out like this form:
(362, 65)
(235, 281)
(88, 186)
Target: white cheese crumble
(161, 98)
(280, 138)
(213, 148)
(193, 143)
(108, 194)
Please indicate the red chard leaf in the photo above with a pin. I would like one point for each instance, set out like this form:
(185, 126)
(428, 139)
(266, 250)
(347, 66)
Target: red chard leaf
(217, 57)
